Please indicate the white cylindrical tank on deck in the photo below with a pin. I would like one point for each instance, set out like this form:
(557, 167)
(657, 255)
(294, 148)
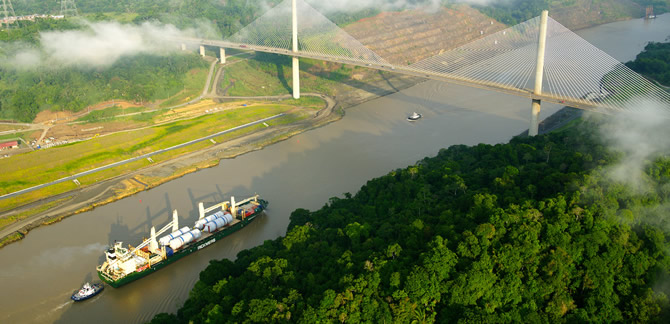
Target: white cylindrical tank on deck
(196, 234)
(213, 225)
(201, 222)
(209, 227)
(228, 218)
(182, 240)
(175, 244)
(165, 240)
(220, 222)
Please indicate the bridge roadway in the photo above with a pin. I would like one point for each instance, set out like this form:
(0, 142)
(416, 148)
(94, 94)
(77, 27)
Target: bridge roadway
(408, 71)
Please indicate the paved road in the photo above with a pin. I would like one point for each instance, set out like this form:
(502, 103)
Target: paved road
(144, 156)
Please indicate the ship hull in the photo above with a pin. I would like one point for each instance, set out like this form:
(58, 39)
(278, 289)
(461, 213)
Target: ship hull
(192, 247)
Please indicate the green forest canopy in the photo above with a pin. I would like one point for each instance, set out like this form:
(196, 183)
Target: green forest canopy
(529, 231)
(653, 62)
(140, 78)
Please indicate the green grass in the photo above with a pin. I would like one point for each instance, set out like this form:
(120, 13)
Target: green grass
(8, 137)
(11, 127)
(193, 85)
(307, 101)
(250, 81)
(99, 115)
(32, 168)
(5, 221)
(262, 78)
(11, 238)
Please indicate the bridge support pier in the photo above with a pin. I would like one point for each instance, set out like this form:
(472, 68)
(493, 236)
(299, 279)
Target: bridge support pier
(222, 55)
(296, 64)
(534, 117)
(539, 69)
(296, 78)
(202, 50)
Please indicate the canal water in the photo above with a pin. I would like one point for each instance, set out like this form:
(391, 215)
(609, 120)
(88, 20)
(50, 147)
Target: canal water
(39, 273)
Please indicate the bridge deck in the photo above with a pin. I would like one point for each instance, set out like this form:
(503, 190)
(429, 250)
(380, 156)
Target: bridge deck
(581, 104)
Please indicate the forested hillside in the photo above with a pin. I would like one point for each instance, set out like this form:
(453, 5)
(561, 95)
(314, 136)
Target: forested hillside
(25, 91)
(228, 16)
(653, 62)
(142, 78)
(529, 231)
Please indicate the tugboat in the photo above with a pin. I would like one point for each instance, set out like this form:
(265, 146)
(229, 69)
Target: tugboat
(87, 291)
(414, 116)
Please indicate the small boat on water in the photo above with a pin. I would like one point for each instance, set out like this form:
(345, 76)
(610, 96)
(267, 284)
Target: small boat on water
(87, 291)
(414, 116)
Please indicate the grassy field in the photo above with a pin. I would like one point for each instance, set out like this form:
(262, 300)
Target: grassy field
(33, 168)
(17, 217)
(14, 136)
(11, 127)
(193, 85)
(260, 78)
(249, 81)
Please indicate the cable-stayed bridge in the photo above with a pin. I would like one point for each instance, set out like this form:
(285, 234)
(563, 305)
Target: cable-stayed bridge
(539, 59)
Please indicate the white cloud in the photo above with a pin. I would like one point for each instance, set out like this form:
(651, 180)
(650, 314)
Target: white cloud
(641, 135)
(99, 44)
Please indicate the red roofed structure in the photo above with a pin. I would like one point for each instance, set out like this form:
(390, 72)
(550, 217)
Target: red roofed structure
(9, 145)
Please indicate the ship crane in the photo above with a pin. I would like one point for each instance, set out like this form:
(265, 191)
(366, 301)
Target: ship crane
(224, 205)
(154, 244)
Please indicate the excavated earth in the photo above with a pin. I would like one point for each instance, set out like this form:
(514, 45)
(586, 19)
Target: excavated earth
(412, 35)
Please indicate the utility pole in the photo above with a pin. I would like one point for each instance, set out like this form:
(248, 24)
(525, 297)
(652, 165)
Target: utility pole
(68, 8)
(296, 64)
(8, 11)
(539, 70)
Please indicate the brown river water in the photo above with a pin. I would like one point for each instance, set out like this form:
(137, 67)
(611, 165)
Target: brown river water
(39, 273)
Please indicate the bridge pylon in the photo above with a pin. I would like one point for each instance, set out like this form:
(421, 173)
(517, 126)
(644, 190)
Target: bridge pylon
(8, 11)
(68, 8)
(296, 63)
(539, 70)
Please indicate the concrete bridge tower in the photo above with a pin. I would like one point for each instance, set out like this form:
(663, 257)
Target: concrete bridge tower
(539, 69)
(296, 64)
(68, 8)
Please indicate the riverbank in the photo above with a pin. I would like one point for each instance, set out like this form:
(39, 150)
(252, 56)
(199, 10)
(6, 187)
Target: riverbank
(114, 189)
(58, 207)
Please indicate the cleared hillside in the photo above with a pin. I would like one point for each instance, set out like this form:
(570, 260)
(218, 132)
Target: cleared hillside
(412, 35)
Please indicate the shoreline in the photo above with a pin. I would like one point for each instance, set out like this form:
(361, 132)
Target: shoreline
(122, 186)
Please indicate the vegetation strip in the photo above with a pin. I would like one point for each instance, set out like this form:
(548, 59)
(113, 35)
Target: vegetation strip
(139, 157)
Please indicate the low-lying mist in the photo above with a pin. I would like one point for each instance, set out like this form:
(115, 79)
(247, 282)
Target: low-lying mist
(640, 135)
(97, 45)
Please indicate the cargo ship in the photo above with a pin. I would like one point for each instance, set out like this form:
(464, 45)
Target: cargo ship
(126, 264)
